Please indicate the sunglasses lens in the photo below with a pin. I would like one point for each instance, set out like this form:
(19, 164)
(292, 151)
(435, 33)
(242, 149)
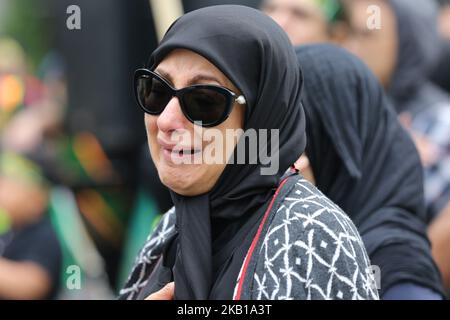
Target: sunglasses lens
(152, 93)
(206, 105)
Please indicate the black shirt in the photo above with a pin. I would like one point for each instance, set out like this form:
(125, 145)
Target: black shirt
(36, 243)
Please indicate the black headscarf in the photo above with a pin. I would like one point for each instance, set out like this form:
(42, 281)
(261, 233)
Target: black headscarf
(441, 72)
(418, 52)
(366, 163)
(256, 55)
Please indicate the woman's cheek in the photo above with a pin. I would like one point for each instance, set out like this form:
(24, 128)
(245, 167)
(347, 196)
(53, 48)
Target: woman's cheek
(151, 125)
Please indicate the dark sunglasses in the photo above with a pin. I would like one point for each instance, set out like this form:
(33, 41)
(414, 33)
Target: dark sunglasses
(209, 104)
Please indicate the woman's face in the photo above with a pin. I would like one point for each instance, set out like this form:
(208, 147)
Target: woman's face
(378, 48)
(302, 20)
(189, 173)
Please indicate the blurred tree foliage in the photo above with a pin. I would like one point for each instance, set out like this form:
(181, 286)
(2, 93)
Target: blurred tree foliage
(28, 22)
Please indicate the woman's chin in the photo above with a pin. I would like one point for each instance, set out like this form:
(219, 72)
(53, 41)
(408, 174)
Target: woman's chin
(179, 181)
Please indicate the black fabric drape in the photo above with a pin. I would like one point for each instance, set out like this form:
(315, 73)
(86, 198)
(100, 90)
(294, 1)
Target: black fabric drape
(441, 72)
(418, 52)
(366, 163)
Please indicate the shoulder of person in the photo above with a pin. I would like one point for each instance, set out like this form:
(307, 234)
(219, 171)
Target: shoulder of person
(161, 235)
(149, 255)
(312, 250)
(308, 205)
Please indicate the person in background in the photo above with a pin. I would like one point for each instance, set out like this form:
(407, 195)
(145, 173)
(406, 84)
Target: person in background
(30, 254)
(440, 238)
(410, 45)
(409, 41)
(444, 19)
(356, 155)
(19, 90)
(307, 21)
(441, 72)
(41, 118)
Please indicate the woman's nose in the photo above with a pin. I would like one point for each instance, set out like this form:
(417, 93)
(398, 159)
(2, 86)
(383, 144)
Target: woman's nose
(172, 118)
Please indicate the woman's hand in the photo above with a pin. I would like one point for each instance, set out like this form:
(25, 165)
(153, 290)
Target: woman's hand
(165, 293)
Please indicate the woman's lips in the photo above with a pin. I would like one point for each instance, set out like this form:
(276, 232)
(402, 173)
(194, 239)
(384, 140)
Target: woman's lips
(178, 154)
(184, 156)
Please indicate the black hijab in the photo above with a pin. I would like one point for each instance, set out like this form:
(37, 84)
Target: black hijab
(441, 72)
(366, 163)
(418, 52)
(256, 55)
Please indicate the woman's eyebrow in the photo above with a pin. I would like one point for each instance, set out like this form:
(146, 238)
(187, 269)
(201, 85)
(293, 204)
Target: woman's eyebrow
(205, 77)
(201, 77)
(165, 75)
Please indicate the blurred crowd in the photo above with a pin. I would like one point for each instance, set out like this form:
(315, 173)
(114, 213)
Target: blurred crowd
(78, 191)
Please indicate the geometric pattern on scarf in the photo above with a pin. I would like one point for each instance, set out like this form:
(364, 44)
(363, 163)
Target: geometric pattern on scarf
(312, 251)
